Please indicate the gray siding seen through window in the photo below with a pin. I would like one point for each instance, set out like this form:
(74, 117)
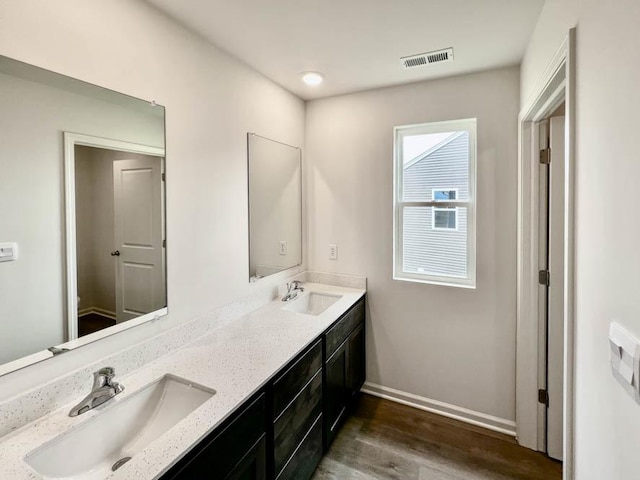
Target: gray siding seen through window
(439, 251)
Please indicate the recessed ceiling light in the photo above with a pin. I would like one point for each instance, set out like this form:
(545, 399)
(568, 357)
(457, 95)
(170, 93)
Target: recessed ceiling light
(312, 78)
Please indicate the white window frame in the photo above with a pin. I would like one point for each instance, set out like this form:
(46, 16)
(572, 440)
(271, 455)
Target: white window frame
(469, 125)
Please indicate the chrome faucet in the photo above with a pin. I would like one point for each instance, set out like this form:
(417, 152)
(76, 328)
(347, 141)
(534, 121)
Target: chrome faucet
(292, 290)
(104, 388)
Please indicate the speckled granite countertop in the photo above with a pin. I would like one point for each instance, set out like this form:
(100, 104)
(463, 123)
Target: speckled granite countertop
(236, 360)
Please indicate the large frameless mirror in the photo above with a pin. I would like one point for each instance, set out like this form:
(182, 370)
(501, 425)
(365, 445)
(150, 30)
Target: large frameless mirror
(275, 206)
(82, 230)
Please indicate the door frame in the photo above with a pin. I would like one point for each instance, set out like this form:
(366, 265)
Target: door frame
(70, 141)
(557, 85)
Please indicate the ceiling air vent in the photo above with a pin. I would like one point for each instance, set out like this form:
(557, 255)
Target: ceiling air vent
(428, 58)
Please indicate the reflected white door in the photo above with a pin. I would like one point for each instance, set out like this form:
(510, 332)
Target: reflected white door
(137, 188)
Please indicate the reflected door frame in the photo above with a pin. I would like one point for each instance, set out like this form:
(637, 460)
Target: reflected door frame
(71, 140)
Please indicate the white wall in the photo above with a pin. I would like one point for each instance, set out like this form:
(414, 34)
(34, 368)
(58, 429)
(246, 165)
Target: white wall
(607, 259)
(212, 101)
(556, 18)
(447, 344)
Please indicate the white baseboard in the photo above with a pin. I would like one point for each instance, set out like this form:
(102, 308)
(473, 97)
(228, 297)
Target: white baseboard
(472, 417)
(99, 311)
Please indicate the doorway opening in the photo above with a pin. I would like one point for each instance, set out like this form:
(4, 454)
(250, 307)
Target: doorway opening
(551, 134)
(115, 237)
(545, 291)
(118, 199)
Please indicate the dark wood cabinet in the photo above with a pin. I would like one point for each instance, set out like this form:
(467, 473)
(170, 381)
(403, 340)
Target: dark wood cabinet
(235, 451)
(297, 405)
(289, 384)
(253, 465)
(306, 457)
(356, 362)
(345, 369)
(283, 430)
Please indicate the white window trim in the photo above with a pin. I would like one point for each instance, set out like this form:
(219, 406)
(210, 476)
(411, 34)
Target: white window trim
(444, 209)
(399, 205)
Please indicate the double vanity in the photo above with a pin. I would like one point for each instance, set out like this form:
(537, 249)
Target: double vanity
(256, 389)
(261, 396)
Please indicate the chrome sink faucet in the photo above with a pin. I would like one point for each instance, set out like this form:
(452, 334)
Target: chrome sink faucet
(104, 388)
(292, 290)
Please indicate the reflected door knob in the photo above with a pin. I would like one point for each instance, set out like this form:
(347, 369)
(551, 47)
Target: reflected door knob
(115, 254)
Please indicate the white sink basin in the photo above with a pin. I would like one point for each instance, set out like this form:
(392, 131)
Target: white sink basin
(312, 303)
(90, 450)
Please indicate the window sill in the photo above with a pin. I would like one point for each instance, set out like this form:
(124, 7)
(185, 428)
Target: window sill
(468, 285)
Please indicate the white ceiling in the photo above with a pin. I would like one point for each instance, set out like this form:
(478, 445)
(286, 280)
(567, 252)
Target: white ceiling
(357, 44)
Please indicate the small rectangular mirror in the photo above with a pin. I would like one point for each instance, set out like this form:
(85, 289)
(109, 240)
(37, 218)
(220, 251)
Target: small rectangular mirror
(275, 206)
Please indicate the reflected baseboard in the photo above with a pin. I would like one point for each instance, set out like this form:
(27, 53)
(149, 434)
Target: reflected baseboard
(98, 311)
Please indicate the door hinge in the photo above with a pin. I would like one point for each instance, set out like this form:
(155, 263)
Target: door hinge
(164, 243)
(543, 397)
(544, 277)
(164, 177)
(545, 156)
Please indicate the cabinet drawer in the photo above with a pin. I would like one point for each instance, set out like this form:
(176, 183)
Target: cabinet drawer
(306, 458)
(341, 330)
(294, 423)
(219, 458)
(289, 384)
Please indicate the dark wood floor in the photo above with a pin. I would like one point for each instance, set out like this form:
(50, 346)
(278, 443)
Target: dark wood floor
(93, 322)
(385, 440)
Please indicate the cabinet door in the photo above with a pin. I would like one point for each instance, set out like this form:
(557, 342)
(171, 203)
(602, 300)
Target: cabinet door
(336, 392)
(234, 450)
(254, 465)
(356, 361)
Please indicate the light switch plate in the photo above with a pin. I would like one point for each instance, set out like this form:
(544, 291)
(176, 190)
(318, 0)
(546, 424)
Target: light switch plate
(624, 351)
(333, 251)
(8, 252)
(283, 247)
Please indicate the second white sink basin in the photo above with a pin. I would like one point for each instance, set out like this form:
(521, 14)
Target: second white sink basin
(96, 447)
(312, 303)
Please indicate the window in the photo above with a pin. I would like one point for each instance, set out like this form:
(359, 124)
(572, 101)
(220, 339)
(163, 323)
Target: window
(440, 194)
(444, 218)
(434, 203)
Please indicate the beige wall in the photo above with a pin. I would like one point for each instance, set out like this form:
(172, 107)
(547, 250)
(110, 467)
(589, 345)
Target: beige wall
(607, 260)
(85, 168)
(212, 102)
(447, 344)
